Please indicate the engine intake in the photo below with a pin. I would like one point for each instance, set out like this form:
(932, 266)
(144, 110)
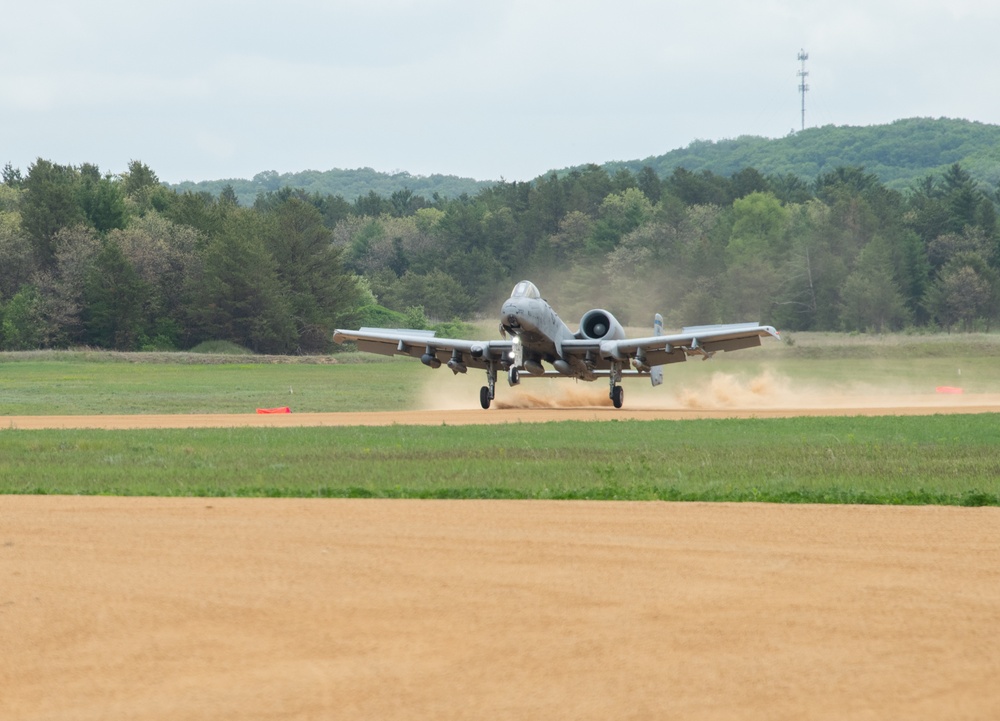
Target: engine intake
(600, 325)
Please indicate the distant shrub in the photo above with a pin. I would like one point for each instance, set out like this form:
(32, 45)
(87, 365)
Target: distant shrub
(454, 329)
(377, 316)
(157, 344)
(221, 347)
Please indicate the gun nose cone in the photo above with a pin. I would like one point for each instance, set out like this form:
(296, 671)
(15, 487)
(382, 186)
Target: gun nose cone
(509, 314)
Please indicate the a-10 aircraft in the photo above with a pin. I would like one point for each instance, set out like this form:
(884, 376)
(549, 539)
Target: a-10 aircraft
(598, 350)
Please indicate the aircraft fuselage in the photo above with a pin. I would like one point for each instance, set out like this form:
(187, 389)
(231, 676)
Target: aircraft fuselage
(536, 324)
(539, 334)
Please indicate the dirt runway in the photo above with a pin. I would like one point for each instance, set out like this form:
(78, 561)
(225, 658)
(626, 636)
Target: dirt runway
(925, 404)
(351, 609)
(356, 609)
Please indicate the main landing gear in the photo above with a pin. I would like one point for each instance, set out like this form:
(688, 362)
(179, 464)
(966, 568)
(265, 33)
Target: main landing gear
(488, 392)
(617, 393)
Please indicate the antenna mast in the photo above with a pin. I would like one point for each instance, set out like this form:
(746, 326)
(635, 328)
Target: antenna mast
(803, 56)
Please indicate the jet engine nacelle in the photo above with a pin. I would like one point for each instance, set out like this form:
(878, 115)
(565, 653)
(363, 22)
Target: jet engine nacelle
(600, 325)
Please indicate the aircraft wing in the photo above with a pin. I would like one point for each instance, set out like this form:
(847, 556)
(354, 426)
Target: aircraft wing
(657, 350)
(645, 353)
(417, 343)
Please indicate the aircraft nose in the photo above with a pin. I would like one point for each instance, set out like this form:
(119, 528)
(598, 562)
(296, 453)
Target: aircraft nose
(517, 315)
(509, 314)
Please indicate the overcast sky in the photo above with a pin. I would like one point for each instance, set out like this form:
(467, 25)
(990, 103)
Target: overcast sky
(210, 89)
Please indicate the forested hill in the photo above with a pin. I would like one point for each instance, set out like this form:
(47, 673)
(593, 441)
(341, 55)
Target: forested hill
(348, 184)
(898, 153)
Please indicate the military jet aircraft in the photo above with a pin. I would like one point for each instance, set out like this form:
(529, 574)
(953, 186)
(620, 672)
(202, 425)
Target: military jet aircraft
(598, 349)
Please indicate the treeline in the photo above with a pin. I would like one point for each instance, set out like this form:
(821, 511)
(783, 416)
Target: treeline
(899, 153)
(345, 183)
(121, 261)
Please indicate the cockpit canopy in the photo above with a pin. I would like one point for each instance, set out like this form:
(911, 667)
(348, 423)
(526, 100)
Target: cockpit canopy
(525, 289)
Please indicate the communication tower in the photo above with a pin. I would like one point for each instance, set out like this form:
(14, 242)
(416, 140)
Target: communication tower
(803, 56)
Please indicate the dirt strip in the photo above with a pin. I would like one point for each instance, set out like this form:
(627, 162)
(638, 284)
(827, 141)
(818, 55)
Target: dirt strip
(906, 407)
(177, 609)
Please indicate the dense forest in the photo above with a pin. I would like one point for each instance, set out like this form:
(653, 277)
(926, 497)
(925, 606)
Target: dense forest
(125, 262)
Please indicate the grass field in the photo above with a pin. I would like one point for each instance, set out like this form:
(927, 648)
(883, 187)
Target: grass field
(933, 459)
(103, 383)
(87, 383)
(937, 459)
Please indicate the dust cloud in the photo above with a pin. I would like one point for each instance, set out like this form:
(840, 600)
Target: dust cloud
(773, 390)
(732, 390)
(768, 389)
(720, 390)
(441, 393)
(568, 394)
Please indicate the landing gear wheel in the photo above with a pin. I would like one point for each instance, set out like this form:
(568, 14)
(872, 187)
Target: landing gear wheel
(513, 377)
(484, 397)
(617, 396)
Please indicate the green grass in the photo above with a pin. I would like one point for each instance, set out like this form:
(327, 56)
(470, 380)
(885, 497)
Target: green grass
(81, 384)
(98, 382)
(948, 460)
(910, 460)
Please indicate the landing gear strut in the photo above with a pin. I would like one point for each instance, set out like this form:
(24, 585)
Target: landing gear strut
(488, 392)
(617, 394)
